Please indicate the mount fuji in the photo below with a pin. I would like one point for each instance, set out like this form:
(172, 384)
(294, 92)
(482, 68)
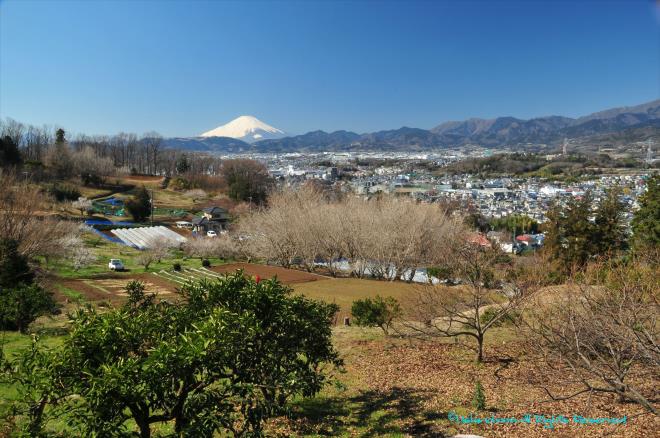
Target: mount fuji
(246, 128)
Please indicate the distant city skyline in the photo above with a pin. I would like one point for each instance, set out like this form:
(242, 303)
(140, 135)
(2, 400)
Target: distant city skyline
(183, 68)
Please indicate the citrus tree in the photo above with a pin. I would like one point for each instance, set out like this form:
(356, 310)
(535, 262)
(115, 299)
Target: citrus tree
(223, 358)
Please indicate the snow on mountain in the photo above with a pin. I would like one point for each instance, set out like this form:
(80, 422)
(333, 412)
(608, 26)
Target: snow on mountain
(246, 128)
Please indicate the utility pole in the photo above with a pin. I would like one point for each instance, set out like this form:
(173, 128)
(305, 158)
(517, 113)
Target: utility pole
(152, 207)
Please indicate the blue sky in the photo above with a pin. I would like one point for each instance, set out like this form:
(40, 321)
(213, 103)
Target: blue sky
(181, 68)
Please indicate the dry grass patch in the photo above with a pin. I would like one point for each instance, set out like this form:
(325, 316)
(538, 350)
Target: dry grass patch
(394, 387)
(343, 291)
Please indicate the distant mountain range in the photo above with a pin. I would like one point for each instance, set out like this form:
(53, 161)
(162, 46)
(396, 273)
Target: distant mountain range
(614, 125)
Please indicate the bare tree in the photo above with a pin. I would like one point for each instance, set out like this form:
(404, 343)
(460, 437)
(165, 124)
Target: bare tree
(223, 247)
(160, 248)
(482, 301)
(75, 250)
(602, 330)
(24, 218)
(146, 258)
(83, 204)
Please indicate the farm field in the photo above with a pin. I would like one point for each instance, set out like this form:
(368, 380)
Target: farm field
(95, 283)
(286, 276)
(343, 291)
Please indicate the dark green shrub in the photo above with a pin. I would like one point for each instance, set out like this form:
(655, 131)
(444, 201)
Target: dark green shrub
(228, 344)
(140, 206)
(177, 266)
(206, 263)
(92, 180)
(179, 183)
(20, 305)
(377, 312)
(63, 192)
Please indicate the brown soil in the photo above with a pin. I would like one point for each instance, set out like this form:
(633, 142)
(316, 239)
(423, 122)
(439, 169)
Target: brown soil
(111, 288)
(287, 276)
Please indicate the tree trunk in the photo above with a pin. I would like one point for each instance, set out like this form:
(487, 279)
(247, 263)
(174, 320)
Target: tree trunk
(480, 347)
(145, 429)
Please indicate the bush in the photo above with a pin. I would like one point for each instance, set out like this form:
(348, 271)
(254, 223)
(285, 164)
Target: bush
(479, 397)
(63, 192)
(206, 263)
(229, 344)
(179, 184)
(140, 206)
(379, 312)
(22, 304)
(177, 266)
(92, 180)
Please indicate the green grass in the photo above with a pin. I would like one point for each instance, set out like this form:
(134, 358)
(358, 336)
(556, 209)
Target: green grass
(105, 250)
(11, 344)
(75, 296)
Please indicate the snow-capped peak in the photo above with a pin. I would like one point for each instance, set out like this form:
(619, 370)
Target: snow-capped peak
(246, 128)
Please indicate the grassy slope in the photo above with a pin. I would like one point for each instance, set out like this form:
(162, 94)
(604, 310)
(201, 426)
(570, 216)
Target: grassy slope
(343, 291)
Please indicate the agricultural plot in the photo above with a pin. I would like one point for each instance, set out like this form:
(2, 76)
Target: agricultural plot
(286, 276)
(187, 275)
(112, 289)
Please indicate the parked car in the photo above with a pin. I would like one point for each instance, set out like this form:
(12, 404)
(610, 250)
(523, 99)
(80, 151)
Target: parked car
(184, 224)
(211, 233)
(116, 265)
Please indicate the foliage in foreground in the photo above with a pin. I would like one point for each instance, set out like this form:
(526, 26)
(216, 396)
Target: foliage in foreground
(21, 301)
(227, 356)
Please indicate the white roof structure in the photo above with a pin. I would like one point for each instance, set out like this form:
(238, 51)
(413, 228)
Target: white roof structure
(144, 238)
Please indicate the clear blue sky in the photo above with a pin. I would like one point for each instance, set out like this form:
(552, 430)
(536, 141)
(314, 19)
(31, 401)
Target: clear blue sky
(181, 68)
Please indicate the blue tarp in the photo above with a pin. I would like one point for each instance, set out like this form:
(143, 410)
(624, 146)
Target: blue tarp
(92, 222)
(110, 238)
(113, 201)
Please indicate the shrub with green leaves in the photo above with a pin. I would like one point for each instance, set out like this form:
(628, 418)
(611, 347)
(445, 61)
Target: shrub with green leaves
(63, 192)
(224, 358)
(376, 312)
(140, 205)
(21, 301)
(479, 397)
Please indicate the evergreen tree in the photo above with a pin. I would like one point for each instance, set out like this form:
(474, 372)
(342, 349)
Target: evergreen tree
(14, 268)
(182, 164)
(610, 229)
(570, 233)
(59, 136)
(21, 301)
(9, 153)
(646, 223)
(140, 206)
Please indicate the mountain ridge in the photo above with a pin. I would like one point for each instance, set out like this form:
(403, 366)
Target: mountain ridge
(639, 121)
